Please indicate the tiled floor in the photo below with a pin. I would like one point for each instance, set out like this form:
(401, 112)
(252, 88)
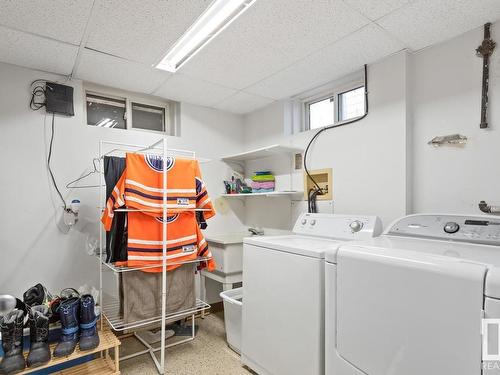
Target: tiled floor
(207, 354)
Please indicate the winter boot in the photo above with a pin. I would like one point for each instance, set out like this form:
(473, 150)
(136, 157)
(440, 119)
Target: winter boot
(11, 326)
(39, 334)
(89, 338)
(68, 313)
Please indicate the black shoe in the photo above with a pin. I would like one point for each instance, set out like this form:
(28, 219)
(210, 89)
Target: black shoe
(68, 313)
(39, 334)
(35, 295)
(11, 326)
(89, 338)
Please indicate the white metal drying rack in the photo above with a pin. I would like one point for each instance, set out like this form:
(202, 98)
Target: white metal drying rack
(111, 307)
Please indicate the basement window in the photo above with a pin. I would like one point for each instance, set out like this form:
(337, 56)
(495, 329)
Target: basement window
(329, 105)
(118, 109)
(333, 107)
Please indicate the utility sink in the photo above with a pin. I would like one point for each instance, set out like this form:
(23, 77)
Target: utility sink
(227, 250)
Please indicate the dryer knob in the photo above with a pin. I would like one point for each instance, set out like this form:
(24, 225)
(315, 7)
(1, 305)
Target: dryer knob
(303, 222)
(451, 227)
(356, 226)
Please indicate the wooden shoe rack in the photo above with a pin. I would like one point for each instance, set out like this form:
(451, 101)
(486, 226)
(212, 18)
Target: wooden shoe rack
(102, 364)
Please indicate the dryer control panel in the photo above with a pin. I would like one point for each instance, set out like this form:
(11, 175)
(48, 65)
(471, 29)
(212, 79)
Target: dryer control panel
(340, 227)
(474, 229)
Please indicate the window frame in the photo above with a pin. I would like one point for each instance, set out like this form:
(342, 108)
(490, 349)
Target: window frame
(307, 109)
(339, 106)
(165, 116)
(105, 96)
(171, 108)
(334, 90)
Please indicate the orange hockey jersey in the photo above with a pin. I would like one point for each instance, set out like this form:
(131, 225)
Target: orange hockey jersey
(141, 187)
(145, 247)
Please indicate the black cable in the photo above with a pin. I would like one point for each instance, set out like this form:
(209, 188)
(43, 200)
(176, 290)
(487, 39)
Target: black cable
(311, 200)
(37, 92)
(48, 162)
(318, 188)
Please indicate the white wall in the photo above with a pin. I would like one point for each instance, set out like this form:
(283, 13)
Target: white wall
(32, 249)
(447, 100)
(383, 164)
(368, 158)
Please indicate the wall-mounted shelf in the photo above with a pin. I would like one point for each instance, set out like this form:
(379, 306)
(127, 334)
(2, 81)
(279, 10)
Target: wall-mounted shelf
(262, 152)
(291, 194)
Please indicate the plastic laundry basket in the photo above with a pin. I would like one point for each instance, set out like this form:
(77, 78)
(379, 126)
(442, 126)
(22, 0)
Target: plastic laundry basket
(233, 302)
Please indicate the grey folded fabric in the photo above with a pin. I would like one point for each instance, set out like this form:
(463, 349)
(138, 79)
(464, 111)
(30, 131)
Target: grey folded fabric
(142, 293)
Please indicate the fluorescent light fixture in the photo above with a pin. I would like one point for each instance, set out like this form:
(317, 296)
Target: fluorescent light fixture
(216, 18)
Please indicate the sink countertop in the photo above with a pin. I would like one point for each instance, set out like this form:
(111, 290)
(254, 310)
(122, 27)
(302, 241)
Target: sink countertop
(238, 237)
(227, 238)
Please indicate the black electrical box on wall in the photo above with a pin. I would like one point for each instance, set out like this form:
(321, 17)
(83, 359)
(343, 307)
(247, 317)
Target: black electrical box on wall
(59, 99)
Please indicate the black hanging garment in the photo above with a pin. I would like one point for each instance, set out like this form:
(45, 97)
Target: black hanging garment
(116, 238)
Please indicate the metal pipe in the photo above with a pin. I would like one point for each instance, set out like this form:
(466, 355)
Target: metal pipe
(101, 206)
(164, 262)
(172, 150)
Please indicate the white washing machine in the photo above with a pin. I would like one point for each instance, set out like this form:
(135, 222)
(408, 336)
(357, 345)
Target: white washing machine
(411, 301)
(283, 292)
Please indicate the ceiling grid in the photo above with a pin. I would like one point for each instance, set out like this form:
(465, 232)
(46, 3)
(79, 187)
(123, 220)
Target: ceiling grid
(275, 50)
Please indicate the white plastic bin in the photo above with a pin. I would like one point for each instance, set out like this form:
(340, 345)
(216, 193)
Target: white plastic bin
(233, 302)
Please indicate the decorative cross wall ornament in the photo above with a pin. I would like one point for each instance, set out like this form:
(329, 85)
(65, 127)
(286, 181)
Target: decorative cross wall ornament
(485, 50)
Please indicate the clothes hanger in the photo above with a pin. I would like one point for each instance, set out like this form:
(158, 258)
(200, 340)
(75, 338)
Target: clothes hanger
(71, 185)
(95, 161)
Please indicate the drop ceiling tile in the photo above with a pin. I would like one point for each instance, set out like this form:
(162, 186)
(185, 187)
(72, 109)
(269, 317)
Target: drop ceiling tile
(192, 90)
(35, 52)
(427, 22)
(270, 36)
(112, 71)
(141, 30)
(337, 60)
(376, 9)
(63, 20)
(243, 102)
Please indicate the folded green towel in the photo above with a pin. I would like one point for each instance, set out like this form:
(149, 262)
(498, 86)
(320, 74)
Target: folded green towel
(262, 178)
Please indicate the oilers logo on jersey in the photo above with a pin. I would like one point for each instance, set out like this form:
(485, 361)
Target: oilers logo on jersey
(170, 219)
(156, 162)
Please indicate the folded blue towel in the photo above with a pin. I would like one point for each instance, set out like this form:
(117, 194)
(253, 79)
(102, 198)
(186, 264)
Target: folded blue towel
(262, 190)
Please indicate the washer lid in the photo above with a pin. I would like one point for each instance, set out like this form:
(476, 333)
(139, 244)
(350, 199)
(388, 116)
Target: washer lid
(295, 244)
(422, 247)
